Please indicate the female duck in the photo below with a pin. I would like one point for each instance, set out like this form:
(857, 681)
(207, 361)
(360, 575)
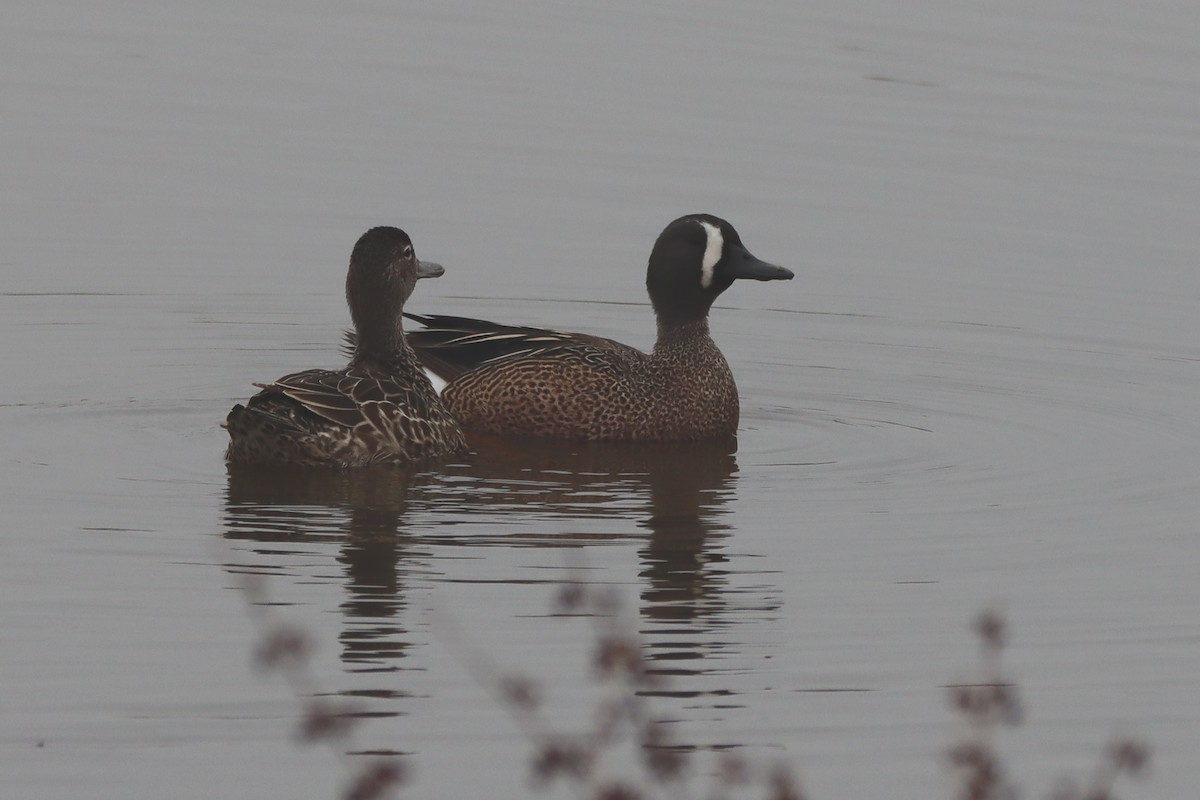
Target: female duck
(381, 408)
(528, 381)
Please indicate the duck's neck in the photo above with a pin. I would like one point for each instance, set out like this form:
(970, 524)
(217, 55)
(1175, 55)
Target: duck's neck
(381, 342)
(681, 336)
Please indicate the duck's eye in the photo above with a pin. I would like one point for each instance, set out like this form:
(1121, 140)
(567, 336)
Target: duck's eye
(408, 251)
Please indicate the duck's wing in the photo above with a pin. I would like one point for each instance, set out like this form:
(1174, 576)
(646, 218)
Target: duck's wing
(450, 346)
(353, 396)
(353, 417)
(329, 395)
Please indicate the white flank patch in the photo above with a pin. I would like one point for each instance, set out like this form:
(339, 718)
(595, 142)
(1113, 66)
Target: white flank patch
(712, 252)
(438, 383)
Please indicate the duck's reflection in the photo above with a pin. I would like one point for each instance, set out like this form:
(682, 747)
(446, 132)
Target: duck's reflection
(676, 492)
(360, 511)
(686, 530)
(387, 523)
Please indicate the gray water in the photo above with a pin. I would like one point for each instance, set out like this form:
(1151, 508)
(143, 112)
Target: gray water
(981, 389)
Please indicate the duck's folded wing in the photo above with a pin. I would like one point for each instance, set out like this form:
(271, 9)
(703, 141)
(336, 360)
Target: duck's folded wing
(335, 396)
(450, 346)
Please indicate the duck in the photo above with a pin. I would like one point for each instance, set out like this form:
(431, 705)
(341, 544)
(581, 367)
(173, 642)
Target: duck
(508, 380)
(381, 408)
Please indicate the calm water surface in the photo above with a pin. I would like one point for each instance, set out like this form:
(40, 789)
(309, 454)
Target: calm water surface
(980, 390)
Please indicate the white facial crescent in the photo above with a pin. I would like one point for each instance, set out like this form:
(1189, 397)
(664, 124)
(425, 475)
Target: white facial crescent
(712, 252)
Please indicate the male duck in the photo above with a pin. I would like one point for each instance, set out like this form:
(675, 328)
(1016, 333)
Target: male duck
(528, 381)
(381, 407)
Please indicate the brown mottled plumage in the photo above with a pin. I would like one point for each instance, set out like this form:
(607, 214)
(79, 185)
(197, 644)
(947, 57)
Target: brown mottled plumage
(381, 408)
(533, 382)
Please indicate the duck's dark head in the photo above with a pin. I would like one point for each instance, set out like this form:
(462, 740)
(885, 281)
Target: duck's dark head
(696, 258)
(384, 268)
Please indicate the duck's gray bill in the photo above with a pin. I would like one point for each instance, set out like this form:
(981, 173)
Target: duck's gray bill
(744, 265)
(428, 269)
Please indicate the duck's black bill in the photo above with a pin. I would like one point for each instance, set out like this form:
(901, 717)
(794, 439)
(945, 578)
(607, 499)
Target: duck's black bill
(744, 265)
(428, 269)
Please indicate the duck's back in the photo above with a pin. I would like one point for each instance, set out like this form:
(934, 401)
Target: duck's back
(353, 417)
